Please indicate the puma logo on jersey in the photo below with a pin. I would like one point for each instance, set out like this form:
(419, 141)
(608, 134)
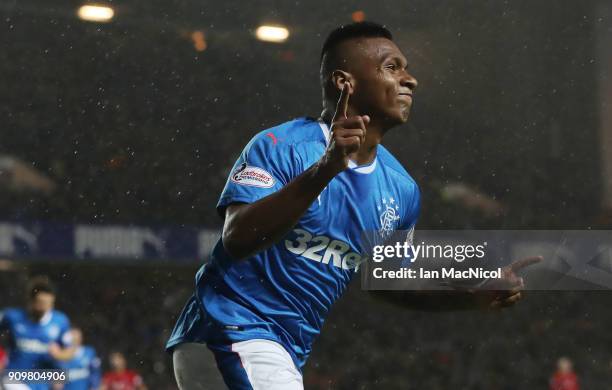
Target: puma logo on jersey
(323, 249)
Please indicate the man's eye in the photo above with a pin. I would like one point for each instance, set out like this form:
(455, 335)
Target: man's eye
(391, 67)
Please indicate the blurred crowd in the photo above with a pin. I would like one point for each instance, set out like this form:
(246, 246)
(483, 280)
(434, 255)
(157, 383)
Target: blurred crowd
(143, 128)
(369, 346)
(364, 345)
(123, 311)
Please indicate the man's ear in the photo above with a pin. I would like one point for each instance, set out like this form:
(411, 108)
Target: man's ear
(339, 78)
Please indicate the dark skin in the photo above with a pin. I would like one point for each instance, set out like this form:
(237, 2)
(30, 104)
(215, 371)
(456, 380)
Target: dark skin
(369, 92)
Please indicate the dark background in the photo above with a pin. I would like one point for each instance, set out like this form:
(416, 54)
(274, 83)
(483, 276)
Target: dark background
(134, 126)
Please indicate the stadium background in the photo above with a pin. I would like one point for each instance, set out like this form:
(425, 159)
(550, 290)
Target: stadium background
(136, 122)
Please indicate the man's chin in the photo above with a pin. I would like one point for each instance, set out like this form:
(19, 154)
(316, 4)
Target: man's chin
(401, 118)
(394, 119)
(405, 113)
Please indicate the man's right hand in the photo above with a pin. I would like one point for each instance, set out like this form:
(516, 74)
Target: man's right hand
(253, 227)
(347, 133)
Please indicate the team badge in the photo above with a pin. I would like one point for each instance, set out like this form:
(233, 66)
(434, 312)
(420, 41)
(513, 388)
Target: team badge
(389, 216)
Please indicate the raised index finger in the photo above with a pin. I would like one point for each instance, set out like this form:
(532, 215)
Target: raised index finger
(342, 106)
(520, 264)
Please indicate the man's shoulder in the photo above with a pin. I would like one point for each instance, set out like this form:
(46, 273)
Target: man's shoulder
(60, 318)
(12, 314)
(395, 167)
(290, 133)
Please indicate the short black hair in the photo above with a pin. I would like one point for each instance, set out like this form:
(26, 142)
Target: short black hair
(40, 284)
(354, 30)
(329, 60)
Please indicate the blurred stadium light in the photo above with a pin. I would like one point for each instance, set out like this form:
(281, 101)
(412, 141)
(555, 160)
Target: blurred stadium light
(199, 40)
(268, 33)
(96, 13)
(358, 16)
(19, 176)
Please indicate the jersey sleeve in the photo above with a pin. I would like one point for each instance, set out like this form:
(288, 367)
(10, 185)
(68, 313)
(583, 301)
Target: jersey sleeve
(65, 337)
(412, 209)
(263, 167)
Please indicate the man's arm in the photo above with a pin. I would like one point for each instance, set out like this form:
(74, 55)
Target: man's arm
(62, 349)
(251, 228)
(60, 353)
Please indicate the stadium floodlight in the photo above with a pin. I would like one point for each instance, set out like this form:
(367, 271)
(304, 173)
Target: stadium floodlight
(96, 13)
(269, 33)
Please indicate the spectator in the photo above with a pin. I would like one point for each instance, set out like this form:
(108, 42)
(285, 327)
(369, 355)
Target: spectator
(564, 378)
(120, 377)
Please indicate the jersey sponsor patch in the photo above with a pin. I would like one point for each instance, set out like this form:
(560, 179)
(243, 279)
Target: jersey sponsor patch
(32, 345)
(252, 176)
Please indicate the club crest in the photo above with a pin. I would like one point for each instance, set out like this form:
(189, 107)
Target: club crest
(389, 216)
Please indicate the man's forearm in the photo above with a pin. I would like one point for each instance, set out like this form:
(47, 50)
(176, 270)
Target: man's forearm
(64, 354)
(254, 227)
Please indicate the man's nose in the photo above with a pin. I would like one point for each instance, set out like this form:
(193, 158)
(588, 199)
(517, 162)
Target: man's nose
(409, 81)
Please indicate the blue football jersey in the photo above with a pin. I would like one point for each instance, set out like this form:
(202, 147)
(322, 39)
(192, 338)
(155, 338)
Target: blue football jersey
(285, 292)
(83, 370)
(29, 340)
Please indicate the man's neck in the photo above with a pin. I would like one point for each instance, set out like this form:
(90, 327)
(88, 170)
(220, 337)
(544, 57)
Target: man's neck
(374, 134)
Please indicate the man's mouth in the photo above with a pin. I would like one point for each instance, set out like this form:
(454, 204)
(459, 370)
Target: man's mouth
(406, 96)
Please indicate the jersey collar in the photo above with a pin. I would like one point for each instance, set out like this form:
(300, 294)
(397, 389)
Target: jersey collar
(46, 318)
